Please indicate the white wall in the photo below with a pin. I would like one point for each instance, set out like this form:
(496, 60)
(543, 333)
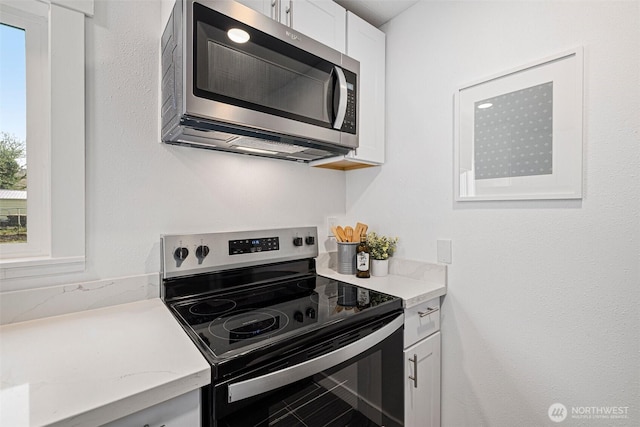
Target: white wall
(138, 188)
(543, 296)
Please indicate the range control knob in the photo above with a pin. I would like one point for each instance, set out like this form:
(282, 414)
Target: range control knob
(298, 316)
(202, 251)
(181, 253)
(297, 241)
(310, 240)
(311, 313)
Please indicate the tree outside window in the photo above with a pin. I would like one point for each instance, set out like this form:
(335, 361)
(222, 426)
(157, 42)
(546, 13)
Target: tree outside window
(13, 165)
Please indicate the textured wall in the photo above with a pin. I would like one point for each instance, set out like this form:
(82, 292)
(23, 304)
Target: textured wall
(542, 305)
(138, 188)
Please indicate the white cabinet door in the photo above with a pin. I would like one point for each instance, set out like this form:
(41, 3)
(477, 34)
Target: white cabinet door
(422, 383)
(266, 7)
(177, 412)
(366, 44)
(322, 20)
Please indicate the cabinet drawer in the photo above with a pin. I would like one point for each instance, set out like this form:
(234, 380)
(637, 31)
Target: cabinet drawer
(180, 411)
(421, 321)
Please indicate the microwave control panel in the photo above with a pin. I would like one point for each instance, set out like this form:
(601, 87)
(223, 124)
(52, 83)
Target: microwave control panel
(349, 124)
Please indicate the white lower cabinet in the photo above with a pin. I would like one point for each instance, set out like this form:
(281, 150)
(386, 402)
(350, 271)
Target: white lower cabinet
(180, 411)
(422, 383)
(422, 365)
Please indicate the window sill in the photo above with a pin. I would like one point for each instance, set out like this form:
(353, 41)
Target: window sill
(31, 267)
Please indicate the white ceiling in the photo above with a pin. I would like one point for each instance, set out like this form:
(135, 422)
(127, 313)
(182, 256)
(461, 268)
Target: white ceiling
(376, 12)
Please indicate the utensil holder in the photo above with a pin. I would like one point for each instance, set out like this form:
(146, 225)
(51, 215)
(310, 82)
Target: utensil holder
(347, 257)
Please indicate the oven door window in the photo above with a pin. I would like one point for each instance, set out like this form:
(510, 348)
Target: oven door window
(263, 73)
(366, 390)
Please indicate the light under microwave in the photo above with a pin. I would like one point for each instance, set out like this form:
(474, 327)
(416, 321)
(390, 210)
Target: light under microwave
(236, 80)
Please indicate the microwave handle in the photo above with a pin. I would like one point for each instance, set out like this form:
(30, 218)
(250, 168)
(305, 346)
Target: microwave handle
(255, 386)
(342, 98)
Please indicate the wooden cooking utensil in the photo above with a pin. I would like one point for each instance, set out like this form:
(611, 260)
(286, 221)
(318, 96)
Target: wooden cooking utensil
(360, 230)
(340, 230)
(348, 231)
(357, 233)
(334, 230)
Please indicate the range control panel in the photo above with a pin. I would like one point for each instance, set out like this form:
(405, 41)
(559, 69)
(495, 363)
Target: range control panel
(256, 244)
(188, 254)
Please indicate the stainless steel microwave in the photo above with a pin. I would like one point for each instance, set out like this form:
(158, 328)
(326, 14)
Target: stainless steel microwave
(236, 80)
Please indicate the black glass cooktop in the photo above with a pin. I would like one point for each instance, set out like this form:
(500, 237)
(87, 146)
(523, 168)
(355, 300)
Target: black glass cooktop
(234, 322)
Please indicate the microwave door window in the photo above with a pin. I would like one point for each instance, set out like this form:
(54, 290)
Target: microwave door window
(263, 74)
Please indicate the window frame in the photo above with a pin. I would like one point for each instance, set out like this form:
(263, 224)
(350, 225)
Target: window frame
(34, 22)
(65, 119)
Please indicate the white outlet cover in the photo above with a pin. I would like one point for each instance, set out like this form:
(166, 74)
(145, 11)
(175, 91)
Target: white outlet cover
(332, 221)
(444, 251)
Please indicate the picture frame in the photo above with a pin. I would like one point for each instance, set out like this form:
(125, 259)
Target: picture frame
(518, 134)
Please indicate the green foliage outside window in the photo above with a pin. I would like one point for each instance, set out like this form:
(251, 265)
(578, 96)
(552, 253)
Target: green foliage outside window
(13, 176)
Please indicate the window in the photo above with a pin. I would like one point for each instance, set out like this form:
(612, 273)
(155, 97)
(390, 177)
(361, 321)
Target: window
(24, 132)
(13, 130)
(54, 66)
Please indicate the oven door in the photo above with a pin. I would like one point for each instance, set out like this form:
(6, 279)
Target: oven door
(358, 383)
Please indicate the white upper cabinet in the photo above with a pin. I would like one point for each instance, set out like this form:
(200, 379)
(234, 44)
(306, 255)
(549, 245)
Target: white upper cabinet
(332, 25)
(322, 20)
(266, 7)
(366, 44)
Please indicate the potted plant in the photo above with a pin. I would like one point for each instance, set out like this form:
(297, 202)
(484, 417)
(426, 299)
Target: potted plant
(380, 249)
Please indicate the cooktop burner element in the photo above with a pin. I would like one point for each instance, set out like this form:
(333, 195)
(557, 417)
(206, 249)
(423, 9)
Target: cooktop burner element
(212, 307)
(250, 324)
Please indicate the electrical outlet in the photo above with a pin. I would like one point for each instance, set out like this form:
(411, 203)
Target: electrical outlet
(332, 221)
(444, 251)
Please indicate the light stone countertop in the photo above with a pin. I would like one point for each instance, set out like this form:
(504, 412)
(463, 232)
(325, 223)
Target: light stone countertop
(95, 366)
(92, 367)
(413, 281)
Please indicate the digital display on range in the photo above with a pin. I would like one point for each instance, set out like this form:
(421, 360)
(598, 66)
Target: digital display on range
(247, 246)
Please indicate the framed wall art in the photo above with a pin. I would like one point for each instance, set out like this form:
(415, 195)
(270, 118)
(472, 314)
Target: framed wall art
(518, 135)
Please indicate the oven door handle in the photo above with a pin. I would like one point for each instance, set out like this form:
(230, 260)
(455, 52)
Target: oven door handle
(271, 381)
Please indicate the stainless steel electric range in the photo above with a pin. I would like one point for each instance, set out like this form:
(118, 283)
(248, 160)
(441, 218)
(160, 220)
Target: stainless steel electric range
(287, 347)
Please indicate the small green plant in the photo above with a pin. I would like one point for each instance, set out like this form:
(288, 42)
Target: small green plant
(381, 247)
